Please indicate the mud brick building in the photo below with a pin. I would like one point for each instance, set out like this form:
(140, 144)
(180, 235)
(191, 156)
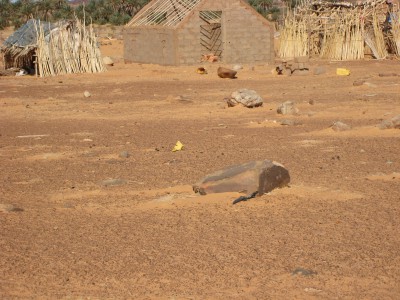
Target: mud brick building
(179, 32)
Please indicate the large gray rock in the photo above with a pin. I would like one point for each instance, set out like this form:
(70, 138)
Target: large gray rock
(247, 98)
(255, 176)
(393, 123)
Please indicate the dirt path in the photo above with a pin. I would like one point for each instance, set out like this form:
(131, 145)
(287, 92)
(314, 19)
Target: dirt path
(149, 236)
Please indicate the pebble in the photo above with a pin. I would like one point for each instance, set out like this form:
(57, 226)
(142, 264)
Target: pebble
(340, 126)
(87, 94)
(303, 272)
(287, 108)
(6, 208)
(319, 70)
(124, 154)
(113, 182)
(290, 122)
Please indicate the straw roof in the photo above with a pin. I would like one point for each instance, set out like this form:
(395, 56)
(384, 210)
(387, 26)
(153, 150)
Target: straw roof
(26, 35)
(166, 13)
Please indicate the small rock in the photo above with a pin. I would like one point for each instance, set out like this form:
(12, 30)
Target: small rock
(393, 123)
(311, 102)
(388, 74)
(237, 67)
(359, 82)
(87, 94)
(304, 272)
(340, 126)
(113, 182)
(319, 70)
(124, 154)
(299, 72)
(256, 176)
(287, 108)
(247, 98)
(290, 122)
(226, 73)
(6, 208)
(108, 61)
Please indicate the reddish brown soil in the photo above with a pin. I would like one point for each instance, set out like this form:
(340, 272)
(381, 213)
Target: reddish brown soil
(152, 238)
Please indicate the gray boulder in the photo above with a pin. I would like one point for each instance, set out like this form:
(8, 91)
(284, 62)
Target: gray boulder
(247, 98)
(255, 176)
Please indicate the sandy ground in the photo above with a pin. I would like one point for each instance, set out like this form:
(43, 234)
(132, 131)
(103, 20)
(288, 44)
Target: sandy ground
(68, 233)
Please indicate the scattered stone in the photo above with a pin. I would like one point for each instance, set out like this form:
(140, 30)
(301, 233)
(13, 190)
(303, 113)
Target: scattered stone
(184, 99)
(319, 70)
(359, 82)
(298, 67)
(388, 74)
(393, 123)
(340, 126)
(237, 67)
(113, 182)
(108, 61)
(282, 70)
(247, 98)
(287, 108)
(226, 73)
(253, 177)
(124, 154)
(300, 72)
(6, 208)
(311, 102)
(290, 122)
(87, 94)
(304, 272)
(201, 71)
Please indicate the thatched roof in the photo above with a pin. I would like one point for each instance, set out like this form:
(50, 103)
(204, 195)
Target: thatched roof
(26, 35)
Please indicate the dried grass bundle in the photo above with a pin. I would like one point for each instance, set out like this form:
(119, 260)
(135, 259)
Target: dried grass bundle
(68, 49)
(294, 37)
(344, 41)
(395, 23)
(374, 38)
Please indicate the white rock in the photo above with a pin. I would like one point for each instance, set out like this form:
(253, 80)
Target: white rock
(108, 61)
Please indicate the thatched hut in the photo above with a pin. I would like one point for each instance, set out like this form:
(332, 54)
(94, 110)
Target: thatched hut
(341, 30)
(51, 49)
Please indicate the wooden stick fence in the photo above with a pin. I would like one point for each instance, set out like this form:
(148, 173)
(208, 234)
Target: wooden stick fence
(68, 49)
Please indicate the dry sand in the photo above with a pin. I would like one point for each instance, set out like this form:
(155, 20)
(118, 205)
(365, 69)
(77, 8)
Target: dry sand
(148, 236)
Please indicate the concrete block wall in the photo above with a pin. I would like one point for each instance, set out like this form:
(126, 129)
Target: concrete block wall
(248, 38)
(150, 45)
(188, 41)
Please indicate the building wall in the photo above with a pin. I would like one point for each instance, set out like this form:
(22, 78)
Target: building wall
(149, 45)
(247, 36)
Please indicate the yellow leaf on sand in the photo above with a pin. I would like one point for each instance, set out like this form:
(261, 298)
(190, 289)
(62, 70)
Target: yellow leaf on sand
(178, 147)
(342, 72)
